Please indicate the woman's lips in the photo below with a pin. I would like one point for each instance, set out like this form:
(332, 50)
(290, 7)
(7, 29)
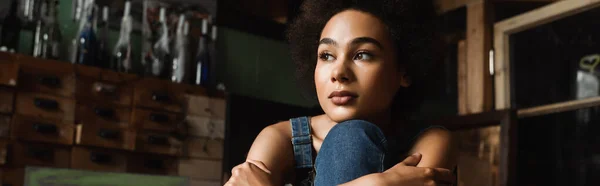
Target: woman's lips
(342, 97)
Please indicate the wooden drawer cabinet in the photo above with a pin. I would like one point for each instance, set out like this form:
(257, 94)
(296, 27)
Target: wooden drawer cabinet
(152, 164)
(108, 137)
(102, 115)
(6, 100)
(211, 170)
(5, 122)
(205, 127)
(102, 85)
(46, 76)
(98, 159)
(45, 106)
(204, 148)
(12, 176)
(218, 108)
(9, 69)
(31, 154)
(42, 130)
(154, 120)
(159, 94)
(198, 105)
(159, 143)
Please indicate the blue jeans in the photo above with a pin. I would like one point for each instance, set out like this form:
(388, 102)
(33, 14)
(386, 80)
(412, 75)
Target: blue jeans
(350, 150)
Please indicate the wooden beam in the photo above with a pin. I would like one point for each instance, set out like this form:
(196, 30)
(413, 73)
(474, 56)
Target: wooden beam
(503, 29)
(462, 77)
(443, 6)
(559, 107)
(479, 89)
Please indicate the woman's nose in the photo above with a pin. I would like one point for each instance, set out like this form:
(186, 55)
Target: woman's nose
(341, 73)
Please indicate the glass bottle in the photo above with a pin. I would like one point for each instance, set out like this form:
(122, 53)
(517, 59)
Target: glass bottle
(122, 51)
(9, 38)
(161, 53)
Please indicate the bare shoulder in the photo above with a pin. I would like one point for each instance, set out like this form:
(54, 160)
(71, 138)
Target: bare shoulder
(274, 148)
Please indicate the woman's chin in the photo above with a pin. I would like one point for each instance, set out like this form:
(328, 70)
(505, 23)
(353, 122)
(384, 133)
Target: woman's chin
(340, 114)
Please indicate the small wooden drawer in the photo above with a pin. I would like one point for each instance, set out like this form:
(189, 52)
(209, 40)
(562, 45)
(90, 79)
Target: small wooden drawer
(9, 69)
(198, 105)
(159, 94)
(12, 176)
(211, 170)
(152, 164)
(153, 120)
(42, 130)
(5, 121)
(218, 108)
(104, 85)
(204, 148)
(98, 159)
(45, 106)
(159, 143)
(108, 137)
(30, 154)
(7, 98)
(46, 76)
(205, 127)
(102, 115)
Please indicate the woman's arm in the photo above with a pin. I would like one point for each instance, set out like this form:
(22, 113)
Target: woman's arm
(434, 155)
(273, 147)
(437, 147)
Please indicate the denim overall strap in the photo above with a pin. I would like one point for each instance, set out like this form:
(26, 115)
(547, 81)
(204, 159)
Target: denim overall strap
(302, 142)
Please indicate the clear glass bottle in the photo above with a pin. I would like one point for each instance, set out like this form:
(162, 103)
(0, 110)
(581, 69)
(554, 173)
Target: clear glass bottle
(179, 64)
(161, 53)
(48, 37)
(122, 50)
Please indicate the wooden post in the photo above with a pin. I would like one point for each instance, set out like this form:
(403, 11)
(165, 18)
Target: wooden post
(479, 43)
(462, 77)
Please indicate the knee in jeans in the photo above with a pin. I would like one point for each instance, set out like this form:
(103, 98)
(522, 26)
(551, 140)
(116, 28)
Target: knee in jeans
(354, 128)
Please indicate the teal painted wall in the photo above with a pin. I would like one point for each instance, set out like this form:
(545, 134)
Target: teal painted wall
(258, 67)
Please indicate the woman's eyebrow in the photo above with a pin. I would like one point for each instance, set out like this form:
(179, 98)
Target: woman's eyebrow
(328, 41)
(361, 40)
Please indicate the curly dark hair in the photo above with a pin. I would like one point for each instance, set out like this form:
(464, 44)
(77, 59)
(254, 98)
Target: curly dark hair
(410, 22)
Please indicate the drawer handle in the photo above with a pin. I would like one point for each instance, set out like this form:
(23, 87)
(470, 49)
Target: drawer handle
(105, 88)
(108, 134)
(104, 112)
(50, 81)
(100, 158)
(154, 164)
(40, 153)
(45, 128)
(160, 97)
(45, 103)
(158, 140)
(159, 118)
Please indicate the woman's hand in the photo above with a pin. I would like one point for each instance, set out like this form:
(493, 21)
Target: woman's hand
(250, 173)
(406, 173)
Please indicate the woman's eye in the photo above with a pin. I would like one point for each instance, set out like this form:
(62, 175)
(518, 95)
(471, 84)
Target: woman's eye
(326, 57)
(363, 56)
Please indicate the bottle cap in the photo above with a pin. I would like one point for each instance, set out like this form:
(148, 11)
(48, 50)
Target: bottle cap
(105, 13)
(127, 8)
(162, 14)
(204, 26)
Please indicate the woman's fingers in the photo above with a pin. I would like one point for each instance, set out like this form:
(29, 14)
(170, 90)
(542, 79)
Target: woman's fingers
(412, 160)
(445, 176)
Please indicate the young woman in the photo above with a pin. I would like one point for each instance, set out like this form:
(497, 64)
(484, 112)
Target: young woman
(365, 57)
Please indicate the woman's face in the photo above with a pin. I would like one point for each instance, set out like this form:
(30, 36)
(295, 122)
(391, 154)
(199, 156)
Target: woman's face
(356, 76)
